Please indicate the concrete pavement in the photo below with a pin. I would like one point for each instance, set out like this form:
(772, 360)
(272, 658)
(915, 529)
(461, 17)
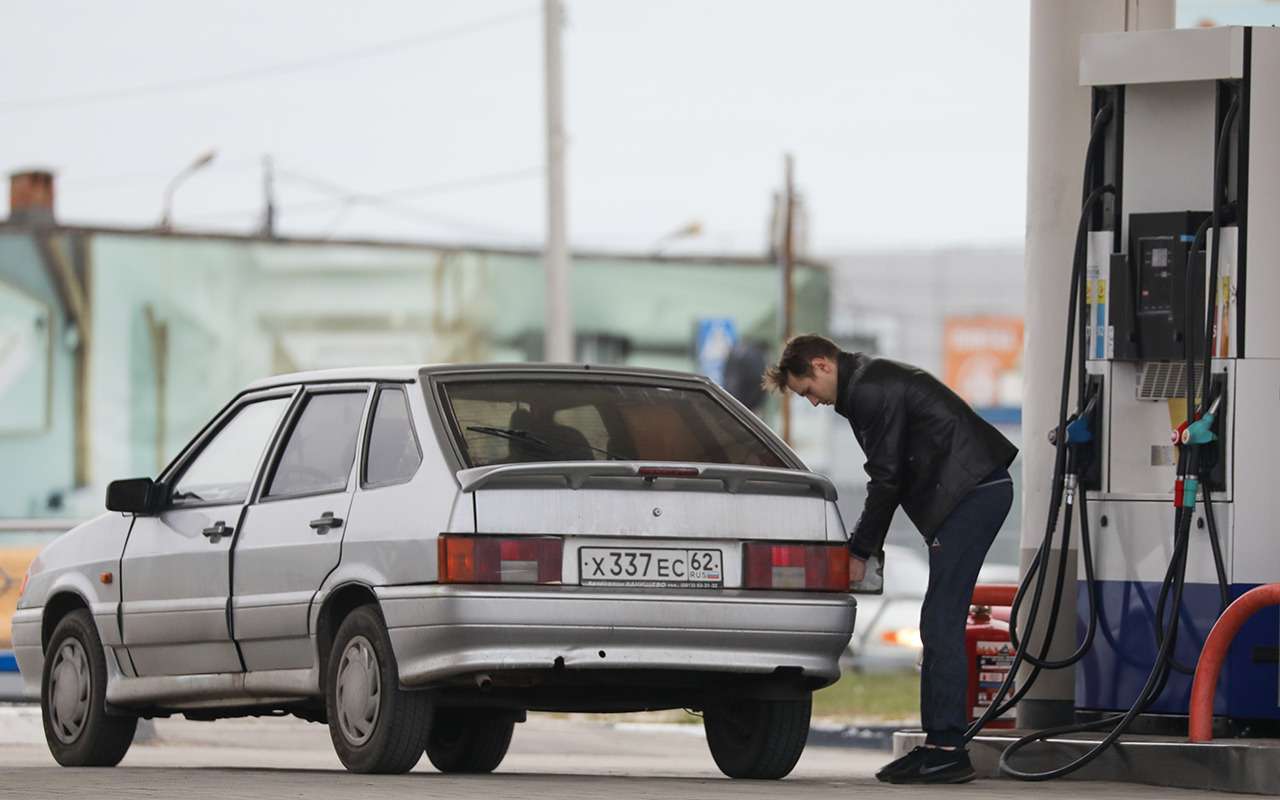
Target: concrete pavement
(550, 757)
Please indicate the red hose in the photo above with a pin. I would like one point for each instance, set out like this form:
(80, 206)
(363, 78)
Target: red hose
(1214, 653)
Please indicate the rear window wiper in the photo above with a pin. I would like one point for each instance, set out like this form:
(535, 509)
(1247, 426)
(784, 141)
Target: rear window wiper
(514, 434)
(521, 436)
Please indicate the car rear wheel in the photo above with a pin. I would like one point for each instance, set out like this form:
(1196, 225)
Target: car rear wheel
(760, 739)
(73, 691)
(469, 740)
(375, 725)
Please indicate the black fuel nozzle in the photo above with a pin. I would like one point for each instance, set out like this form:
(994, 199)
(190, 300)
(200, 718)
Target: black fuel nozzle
(1081, 444)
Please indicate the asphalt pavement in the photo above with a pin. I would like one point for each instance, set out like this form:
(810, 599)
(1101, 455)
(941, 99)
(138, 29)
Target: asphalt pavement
(550, 758)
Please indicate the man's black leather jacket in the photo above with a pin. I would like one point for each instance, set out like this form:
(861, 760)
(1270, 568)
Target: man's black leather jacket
(925, 447)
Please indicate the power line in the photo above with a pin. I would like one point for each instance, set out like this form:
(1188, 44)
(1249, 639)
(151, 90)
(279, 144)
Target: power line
(440, 187)
(100, 182)
(386, 202)
(279, 68)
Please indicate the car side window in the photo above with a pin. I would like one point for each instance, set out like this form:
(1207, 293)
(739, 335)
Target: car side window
(223, 469)
(321, 448)
(393, 455)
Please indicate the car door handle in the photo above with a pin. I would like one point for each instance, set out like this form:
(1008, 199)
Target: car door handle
(217, 531)
(326, 523)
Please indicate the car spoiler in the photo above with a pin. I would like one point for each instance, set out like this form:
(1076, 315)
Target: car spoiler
(576, 473)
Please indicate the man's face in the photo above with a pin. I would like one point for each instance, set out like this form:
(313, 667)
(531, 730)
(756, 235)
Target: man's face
(819, 386)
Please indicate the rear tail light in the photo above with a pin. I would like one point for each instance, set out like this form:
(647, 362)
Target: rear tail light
(800, 567)
(493, 559)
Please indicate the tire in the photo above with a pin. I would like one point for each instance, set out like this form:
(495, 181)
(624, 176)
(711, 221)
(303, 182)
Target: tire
(376, 726)
(469, 740)
(759, 739)
(73, 691)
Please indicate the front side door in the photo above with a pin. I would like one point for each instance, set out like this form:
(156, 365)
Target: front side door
(175, 572)
(291, 537)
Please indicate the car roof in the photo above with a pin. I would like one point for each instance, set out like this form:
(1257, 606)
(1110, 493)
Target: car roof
(406, 373)
(398, 374)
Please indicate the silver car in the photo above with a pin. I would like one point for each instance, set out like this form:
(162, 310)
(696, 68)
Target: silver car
(417, 556)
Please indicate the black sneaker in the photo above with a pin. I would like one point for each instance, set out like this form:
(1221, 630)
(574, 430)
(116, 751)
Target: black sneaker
(902, 764)
(938, 766)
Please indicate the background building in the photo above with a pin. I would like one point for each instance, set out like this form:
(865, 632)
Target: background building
(954, 312)
(116, 345)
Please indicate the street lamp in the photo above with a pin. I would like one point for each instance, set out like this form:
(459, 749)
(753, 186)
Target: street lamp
(689, 230)
(202, 161)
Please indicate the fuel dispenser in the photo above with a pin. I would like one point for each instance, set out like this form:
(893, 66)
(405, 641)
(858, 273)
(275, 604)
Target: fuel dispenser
(1194, 370)
(1172, 357)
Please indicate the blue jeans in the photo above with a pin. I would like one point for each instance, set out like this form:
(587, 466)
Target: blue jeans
(955, 557)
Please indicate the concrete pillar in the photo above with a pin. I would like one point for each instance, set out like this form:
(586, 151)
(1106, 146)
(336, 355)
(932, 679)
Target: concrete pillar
(1058, 132)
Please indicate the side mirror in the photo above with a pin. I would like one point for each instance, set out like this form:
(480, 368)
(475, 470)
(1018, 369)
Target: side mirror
(133, 495)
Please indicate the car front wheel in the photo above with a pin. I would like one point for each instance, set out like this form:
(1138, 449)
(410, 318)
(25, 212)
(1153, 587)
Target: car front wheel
(73, 690)
(760, 739)
(376, 726)
(469, 740)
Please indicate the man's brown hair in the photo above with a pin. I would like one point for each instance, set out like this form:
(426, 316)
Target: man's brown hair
(796, 358)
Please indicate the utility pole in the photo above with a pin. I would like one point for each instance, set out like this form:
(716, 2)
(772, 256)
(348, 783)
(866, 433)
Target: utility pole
(786, 310)
(558, 336)
(269, 198)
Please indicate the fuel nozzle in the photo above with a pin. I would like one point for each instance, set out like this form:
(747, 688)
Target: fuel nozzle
(1079, 441)
(1201, 432)
(1069, 484)
(1192, 437)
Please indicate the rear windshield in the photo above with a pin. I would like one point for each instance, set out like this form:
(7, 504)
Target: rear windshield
(511, 422)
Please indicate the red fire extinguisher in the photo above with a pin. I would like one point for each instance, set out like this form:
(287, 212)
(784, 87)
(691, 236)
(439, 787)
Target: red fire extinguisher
(989, 651)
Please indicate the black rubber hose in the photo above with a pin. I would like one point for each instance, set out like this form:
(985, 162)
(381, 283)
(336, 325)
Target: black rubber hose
(1064, 555)
(1190, 336)
(1085, 404)
(1202, 334)
(1161, 604)
(1035, 571)
(1091, 587)
(1219, 564)
(1088, 199)
(1156, 681)
(1219, 205)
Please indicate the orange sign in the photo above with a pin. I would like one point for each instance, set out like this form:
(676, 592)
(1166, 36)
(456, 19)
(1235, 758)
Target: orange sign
(13, 567)
(982, 359)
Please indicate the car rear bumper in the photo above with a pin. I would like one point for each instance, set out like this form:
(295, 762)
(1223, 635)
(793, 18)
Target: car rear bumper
(441, 633)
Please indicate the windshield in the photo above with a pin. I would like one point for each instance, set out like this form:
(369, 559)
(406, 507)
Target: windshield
(519, 421)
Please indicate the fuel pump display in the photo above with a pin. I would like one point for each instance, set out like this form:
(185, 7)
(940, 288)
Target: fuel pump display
(1150, 290)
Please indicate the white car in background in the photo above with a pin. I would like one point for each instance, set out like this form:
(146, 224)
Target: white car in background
(417, 556)
(887, 633)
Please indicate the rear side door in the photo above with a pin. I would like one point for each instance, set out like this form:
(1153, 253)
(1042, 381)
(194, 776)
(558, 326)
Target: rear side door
(175, 571)
(291, 537)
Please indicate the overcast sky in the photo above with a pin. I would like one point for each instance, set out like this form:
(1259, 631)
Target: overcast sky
(907, 119)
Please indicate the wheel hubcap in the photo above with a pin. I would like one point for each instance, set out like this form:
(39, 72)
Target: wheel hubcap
(359, 691)
(69, 691)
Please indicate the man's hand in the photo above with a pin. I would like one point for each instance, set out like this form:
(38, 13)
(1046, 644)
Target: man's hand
(857, 569)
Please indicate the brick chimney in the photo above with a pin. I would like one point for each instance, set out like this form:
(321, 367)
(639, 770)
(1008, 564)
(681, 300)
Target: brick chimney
(31, 197)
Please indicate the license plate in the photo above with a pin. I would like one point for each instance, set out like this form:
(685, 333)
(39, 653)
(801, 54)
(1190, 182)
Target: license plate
(644, 566)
